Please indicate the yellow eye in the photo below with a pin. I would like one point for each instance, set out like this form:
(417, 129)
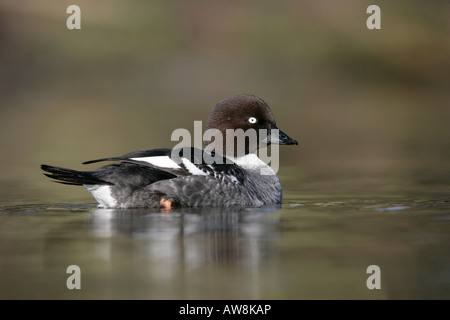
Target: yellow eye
(252, 120)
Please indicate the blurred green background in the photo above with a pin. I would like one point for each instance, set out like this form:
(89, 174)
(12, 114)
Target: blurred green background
(362, 103)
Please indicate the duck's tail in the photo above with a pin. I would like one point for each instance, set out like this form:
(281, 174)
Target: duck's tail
(72, 177)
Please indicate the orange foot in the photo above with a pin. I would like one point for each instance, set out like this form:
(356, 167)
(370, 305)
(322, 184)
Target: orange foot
(165, 205)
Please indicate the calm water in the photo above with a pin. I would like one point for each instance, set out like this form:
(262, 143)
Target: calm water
(312, 247)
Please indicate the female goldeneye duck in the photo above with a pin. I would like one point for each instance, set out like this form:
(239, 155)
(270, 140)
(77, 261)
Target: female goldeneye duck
(167, 178)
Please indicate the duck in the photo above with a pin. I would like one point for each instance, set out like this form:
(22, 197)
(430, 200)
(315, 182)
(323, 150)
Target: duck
(226, 173)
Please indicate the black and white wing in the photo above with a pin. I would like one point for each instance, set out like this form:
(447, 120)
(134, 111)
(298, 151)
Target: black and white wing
(183, 162)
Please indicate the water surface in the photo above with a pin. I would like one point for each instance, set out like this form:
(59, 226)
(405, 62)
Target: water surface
(312, 247)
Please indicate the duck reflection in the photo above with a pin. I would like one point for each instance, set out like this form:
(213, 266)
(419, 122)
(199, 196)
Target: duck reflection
(214, 235)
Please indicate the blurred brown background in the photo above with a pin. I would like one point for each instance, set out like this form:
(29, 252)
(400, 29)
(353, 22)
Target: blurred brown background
(362, 103)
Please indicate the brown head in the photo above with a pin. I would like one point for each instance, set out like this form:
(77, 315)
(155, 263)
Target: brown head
(246, 123)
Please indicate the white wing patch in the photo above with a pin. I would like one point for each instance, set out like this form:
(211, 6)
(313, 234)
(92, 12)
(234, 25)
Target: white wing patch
(167, 162)
(192, 168)
(159, 161)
